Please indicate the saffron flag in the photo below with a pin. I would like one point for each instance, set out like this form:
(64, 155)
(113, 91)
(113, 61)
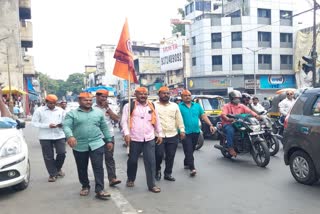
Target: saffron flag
(124, 67)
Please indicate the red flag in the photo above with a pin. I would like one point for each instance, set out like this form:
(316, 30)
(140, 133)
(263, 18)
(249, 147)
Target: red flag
(124, 66)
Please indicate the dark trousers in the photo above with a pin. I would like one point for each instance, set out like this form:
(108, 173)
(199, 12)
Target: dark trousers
(189, 145)
(109, 161)
(53, 165)
(148, 149)
(229, 131)
(96, 158)
(168, 147)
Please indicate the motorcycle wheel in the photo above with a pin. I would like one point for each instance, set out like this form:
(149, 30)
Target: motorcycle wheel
(224, 152)
(200, 141)
(273, 144)
(262, 157)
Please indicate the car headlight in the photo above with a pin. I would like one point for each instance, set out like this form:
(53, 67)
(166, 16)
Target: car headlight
(12, 146)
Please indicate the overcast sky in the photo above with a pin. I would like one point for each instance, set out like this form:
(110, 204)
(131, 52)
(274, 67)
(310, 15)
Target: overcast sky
(66, 32)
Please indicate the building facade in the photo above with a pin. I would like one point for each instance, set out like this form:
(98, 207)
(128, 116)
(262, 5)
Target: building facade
(241, 44)
(16, 65)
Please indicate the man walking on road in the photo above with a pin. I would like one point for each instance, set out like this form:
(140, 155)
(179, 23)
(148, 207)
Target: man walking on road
(83, 128)
(48, 119)
(140, 136)
(171, 121)
(191, 113)
(102, 104)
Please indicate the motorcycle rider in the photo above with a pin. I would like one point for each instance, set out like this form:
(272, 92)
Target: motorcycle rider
(257, 107)
(233, 107)
(286, 105)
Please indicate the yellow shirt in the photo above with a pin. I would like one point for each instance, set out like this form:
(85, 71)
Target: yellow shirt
(170, 118)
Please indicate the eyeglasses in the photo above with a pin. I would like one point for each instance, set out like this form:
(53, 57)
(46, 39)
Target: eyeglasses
(289, 94)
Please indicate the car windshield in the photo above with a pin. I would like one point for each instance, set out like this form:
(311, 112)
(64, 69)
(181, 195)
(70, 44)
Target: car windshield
(210, 104)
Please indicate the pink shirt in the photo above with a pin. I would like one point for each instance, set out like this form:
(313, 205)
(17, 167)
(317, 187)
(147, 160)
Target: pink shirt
(230, 108)
(142, 128)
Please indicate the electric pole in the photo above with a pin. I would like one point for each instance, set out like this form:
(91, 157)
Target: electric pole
(314, 54)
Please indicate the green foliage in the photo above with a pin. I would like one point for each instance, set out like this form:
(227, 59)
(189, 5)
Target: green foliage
(179, 27)
(74, 83)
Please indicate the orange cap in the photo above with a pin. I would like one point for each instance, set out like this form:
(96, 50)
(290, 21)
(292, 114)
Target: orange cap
(103, 91)
(164, 88)
(85, 95)
(51, 98)
(185, 92)
(141, 89)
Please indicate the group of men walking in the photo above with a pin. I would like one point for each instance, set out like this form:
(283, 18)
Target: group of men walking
(150, 128)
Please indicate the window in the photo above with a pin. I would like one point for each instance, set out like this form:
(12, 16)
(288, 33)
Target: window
(236, 59)
(284, 14)
(217, 60)
(264, 36)
(194, 61)
(216, 37)
(264, 13)
(236, 36)
(264, 59)
(194, 40)
(203, 6)
(285, 37)
(316, 108)
(286, 59)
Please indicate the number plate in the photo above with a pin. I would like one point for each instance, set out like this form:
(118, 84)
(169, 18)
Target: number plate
(256, 133)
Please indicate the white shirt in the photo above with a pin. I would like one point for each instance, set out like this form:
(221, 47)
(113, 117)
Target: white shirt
(258, 108)
(285, 106)
(107, 119)
(43, 117)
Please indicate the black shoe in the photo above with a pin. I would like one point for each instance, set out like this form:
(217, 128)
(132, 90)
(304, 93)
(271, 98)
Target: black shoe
(158, 175)
(169, 178)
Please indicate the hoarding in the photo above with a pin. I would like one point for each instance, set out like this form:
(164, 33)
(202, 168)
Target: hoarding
(171, 55)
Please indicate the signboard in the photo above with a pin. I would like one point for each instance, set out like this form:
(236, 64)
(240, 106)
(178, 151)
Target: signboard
(171, 55)
(249, 83)
(277, 81)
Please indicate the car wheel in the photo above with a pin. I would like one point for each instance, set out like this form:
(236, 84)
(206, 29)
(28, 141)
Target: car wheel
(24, 184)
(302, 168)
(200, 141)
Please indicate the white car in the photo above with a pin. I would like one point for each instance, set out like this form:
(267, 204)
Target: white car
(14, 159)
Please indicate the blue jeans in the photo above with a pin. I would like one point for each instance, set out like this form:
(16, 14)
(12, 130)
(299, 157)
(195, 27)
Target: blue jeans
(229, 131)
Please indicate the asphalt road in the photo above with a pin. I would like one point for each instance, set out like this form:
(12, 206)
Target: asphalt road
(221, 186)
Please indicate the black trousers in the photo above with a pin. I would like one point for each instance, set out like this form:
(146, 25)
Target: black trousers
(168, 147)
(189, 145)
(53, 165)
(82, 161)
(148, 149)
(109, 161)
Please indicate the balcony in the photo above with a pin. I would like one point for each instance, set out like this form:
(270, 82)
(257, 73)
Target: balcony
(264, 21)
(235, 20)
(266, 44)
(25, 9)
(216, 45)
(285, 66)
(265, 66)
(215, 21)
(28, 68)
(285, 22)
(286, 45)
(236, 44)
(26, 34)
(216, 67)
(236, 67)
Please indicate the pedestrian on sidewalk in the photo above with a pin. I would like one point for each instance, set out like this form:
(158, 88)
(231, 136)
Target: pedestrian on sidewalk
(83, 127)
(4, 110)
(109, 115)
(140, 136)
(171, 121)
(191, 113)
(48, 119)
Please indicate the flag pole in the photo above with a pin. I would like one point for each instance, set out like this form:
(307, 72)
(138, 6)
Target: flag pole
(129, 108)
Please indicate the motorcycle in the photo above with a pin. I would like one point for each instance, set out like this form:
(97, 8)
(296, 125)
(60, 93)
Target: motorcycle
(248, 138)
(271, 139)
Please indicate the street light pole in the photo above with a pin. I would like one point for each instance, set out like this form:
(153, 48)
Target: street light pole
(254, 67)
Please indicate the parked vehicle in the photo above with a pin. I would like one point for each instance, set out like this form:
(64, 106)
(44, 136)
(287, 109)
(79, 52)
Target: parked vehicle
(301, 137)
(212, 106)
(248, 138)
(14, 159)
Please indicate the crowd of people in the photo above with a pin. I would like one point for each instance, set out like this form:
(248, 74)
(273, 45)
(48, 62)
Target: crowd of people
(151, 128)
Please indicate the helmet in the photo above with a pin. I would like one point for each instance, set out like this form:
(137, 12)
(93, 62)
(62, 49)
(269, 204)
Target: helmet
(233, 94)
(246, 96)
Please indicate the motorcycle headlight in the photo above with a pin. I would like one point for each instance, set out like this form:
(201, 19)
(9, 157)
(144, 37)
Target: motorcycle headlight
(12, 146)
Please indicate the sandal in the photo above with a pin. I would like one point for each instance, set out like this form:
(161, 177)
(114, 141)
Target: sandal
(103, 195)
(84, 191)
(130, 184)
(155, 189)
(114, 182)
